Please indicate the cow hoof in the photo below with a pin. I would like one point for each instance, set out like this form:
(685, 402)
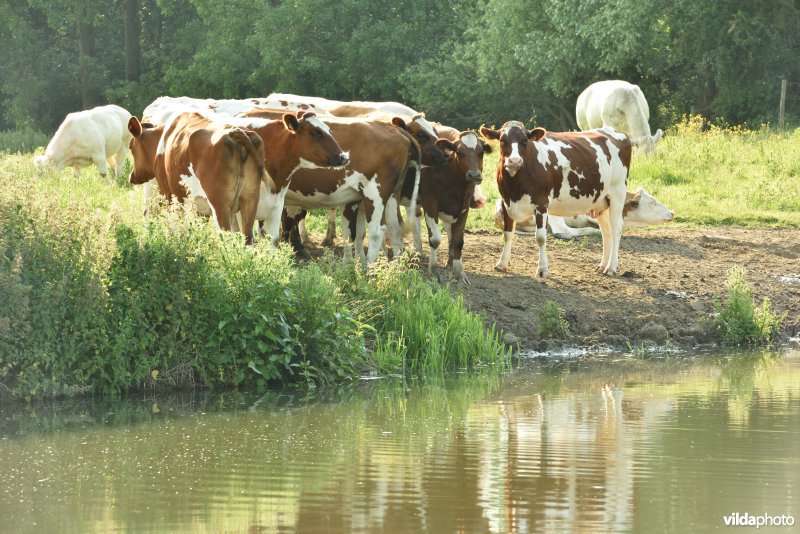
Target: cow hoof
(563, 237)
(327, 242)
(542, 273)
(501, 268)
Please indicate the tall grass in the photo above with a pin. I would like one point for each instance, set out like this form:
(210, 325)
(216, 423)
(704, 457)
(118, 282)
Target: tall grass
(22, 140)
(739, 320)
(94, 299)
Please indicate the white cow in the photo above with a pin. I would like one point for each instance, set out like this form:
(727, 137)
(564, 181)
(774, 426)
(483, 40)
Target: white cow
(96, 136)
(622, 106)
(641, 209)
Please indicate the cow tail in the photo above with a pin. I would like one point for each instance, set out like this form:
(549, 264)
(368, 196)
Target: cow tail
(250, 150)
(413, 170)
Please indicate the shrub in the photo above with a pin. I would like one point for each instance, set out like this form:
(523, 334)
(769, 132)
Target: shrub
(739, 320)
(22, 140)
(552, 322)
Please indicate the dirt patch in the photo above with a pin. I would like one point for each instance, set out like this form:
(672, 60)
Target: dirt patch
(668, 277)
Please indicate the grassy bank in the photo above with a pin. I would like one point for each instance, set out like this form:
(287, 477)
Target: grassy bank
(95, 299)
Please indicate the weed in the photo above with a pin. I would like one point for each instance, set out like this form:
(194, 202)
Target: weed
(552, 321)
(739, 320)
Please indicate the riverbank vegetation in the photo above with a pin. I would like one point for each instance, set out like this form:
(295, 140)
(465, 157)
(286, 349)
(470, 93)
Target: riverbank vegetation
(95, 299)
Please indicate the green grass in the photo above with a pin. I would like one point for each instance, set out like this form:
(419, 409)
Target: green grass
(719, 177)
(94, 298)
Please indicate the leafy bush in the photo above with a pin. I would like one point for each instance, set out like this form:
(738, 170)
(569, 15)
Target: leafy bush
(739, 320)
(552, 322)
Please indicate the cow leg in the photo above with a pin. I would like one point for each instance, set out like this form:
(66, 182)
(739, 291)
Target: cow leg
(456, 245)
(353, 228)
(610, 222)
(119, 160)
(541, 240)
(290, 219)
(434, 240)
(330, 234)
(376, 226)
(393, 225)
(415, 221)
(508, 239)
(302, 231)
(102, 166)
(272, 205)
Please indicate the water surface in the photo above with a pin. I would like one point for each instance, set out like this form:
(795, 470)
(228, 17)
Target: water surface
(605, 444)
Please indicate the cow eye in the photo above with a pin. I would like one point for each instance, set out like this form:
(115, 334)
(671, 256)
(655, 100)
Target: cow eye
(316, 134)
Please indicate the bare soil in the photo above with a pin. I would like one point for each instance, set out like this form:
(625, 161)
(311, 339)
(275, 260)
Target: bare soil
(669, 277)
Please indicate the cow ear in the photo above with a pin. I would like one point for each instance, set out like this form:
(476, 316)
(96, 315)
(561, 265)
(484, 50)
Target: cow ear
(445, 144)
(400, 123)
(536, 133)
(640, 191)
(489, 134)
(291, 122)
(487, 148)
(134, 127)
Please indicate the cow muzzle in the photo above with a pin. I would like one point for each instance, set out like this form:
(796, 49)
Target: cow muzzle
(512, 165)
(474, 177)
(340, 160)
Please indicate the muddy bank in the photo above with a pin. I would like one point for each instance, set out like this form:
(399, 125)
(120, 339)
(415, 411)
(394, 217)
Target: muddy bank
(669, 279)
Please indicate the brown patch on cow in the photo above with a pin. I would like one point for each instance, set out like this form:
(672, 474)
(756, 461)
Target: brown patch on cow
(303, 106)
(284, 103)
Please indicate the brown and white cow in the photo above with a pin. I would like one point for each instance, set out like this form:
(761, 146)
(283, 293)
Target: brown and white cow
(446, 192)
(224, 163)
(380, 155)
(566, 173)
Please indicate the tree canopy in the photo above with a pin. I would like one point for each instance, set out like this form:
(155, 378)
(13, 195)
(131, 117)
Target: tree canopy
(464, 62)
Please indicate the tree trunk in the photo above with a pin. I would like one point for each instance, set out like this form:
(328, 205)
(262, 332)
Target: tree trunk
(133, 53)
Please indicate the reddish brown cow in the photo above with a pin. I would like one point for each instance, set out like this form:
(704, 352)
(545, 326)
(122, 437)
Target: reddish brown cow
(566, 173)
(446, 193)
(380, 155)
(224, 163)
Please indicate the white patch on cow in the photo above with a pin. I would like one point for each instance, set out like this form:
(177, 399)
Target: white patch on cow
(252, 123)
(270, 206)
(470, 140)
(448, 219)
(375, 230)
(611, 132)
(425, 125)
(522, 209)
(458, 270)
(393, 225)
(194, 188)
(505, 256)
(346, 192)
(314, 121)
(478, 197)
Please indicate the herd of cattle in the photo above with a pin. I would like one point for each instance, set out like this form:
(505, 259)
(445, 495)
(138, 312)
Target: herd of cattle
(271, 159)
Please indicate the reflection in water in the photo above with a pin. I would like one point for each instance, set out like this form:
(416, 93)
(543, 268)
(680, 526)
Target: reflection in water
(593, 446)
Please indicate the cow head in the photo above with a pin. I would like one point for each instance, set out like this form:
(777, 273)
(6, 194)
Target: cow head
(144, 147)
(513, 139)
(641, 209)
(647, 143)
(424, 134)
(467, 153)
(313, 141)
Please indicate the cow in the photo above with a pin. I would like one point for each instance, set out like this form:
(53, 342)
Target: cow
(619, 105)
(446, 192)
(324, 105)
(224, 162)
(380, 155)
(641, 209)
(566, 173)
(96, 136)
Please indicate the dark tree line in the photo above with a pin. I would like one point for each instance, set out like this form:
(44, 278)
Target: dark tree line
(462, 61)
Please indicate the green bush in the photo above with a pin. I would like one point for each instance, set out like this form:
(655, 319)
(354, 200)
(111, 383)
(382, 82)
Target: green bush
(739, 320)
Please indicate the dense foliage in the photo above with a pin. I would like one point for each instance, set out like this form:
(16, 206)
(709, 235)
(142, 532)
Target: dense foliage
(102, 301)
(464, 61)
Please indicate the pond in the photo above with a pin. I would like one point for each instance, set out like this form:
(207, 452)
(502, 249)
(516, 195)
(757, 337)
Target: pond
(608, 443)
